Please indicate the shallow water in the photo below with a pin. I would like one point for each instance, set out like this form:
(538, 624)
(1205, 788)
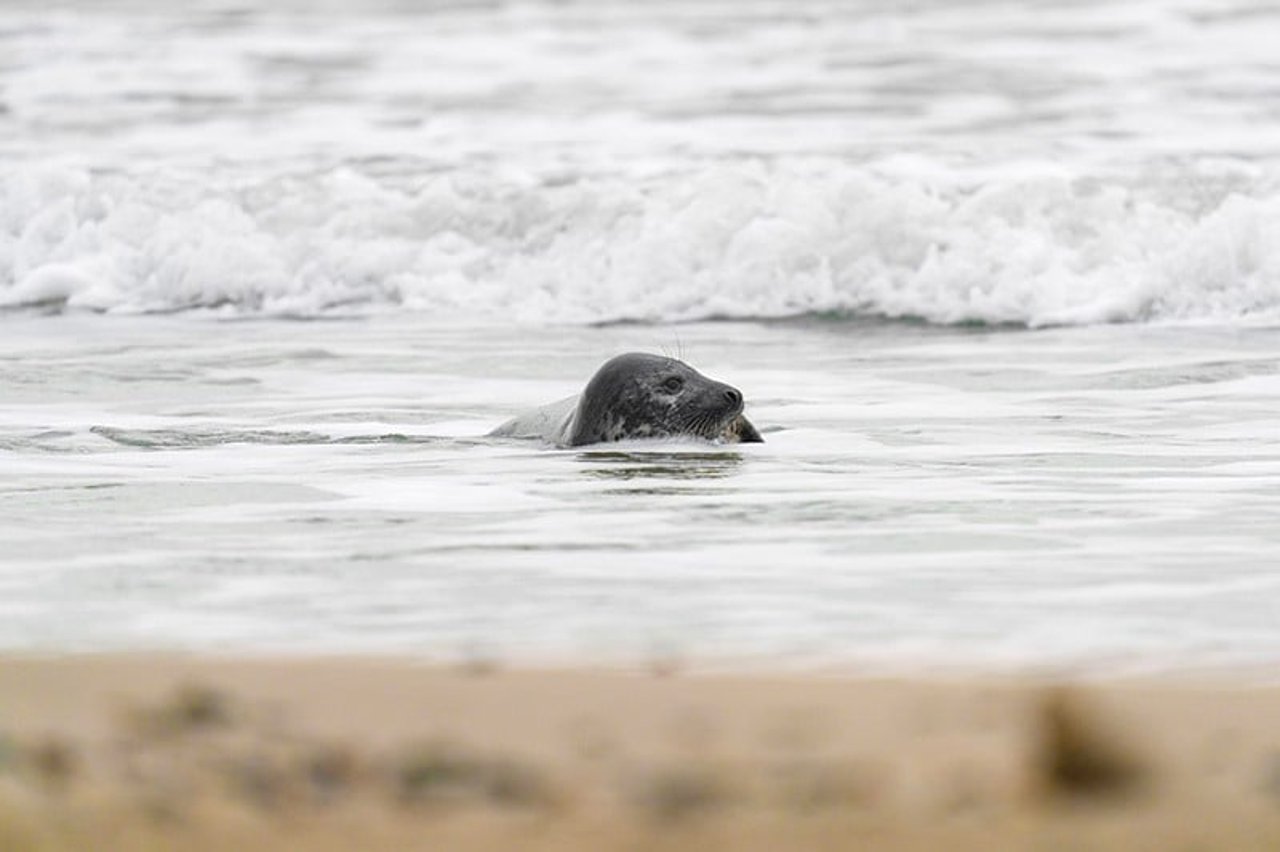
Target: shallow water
(1100, 496)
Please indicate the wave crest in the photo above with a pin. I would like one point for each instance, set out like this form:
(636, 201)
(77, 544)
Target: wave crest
(748, 240)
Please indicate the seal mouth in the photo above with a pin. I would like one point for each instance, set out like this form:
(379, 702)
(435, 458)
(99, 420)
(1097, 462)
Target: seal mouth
(710, 425)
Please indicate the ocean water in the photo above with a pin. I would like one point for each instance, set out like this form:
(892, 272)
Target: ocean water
(1000, 283)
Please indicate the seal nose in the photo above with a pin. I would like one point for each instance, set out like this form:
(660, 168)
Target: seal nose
(733, 396)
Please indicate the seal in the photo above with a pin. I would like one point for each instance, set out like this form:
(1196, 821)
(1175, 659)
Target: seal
(637, 395)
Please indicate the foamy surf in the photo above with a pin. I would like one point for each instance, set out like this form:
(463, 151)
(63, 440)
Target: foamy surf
(743, 240)
(591, 163)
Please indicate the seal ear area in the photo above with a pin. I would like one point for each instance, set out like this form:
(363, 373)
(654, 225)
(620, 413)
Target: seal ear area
(595, 419)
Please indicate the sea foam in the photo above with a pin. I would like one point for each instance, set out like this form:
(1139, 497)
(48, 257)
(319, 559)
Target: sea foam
(748, 239)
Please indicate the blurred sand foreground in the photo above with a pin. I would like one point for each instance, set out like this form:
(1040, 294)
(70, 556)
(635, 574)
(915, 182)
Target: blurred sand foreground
(146, 753)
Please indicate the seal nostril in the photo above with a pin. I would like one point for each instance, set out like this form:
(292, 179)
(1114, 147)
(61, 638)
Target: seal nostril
(733, 396)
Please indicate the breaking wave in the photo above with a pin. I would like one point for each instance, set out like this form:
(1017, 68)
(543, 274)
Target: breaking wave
(750, 239)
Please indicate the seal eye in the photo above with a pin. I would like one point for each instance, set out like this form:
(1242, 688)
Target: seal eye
(673, 384)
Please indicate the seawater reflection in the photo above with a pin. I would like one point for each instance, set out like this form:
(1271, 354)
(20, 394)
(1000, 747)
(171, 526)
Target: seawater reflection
(654, 467)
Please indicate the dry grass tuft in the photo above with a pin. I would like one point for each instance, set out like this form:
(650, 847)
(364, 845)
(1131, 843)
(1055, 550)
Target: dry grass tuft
(8, 753)
(678, 793)
(512, 784)
(1079, 754)
(331, 771)
(190, 708)
(262, 781)
(819, 785)
(194, 707)
(1271, 778)
(54, 762)
(442, 773)
(673, 770)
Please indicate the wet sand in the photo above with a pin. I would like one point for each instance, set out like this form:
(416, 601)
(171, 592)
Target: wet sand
(139, 752)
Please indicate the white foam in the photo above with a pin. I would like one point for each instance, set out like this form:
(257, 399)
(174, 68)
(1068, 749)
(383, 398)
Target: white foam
(589, 162)
(742, 240)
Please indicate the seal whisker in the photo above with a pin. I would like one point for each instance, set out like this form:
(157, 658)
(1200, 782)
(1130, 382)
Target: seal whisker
(703, 426)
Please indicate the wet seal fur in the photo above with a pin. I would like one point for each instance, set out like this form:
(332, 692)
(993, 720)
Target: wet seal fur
(639, 396)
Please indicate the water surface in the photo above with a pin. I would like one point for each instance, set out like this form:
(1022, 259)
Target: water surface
(1001, 280)
(925, 496)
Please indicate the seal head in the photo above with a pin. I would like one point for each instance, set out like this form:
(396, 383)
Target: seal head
(640, 396)
(649, 396)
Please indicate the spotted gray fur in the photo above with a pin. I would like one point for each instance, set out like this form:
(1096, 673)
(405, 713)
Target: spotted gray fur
(640, 396)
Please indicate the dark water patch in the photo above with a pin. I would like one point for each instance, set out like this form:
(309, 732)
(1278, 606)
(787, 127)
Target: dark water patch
(853, 317)
(232, 381)
(1229, 13)
(659, 491)
(304, 355)
(160, 375)
(164, 439)
(329, 63)
(91, 486)
(1207, 372)
(20, 373)
(51, 435)
(220, 21)
(1116, 465)
(343, 416)
(48, 441)
(849, 321)
(550, 547)
(183, 439)
(135, 504)
(38, 307)
(326, 314)
(179, 98)
(615, 465)
(394, 438)
(840, 317)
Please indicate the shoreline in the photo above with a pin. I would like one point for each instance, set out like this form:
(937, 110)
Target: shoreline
(248, 752)
(1103, 671)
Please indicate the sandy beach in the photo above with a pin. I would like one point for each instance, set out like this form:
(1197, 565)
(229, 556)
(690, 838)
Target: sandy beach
(141, 752)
